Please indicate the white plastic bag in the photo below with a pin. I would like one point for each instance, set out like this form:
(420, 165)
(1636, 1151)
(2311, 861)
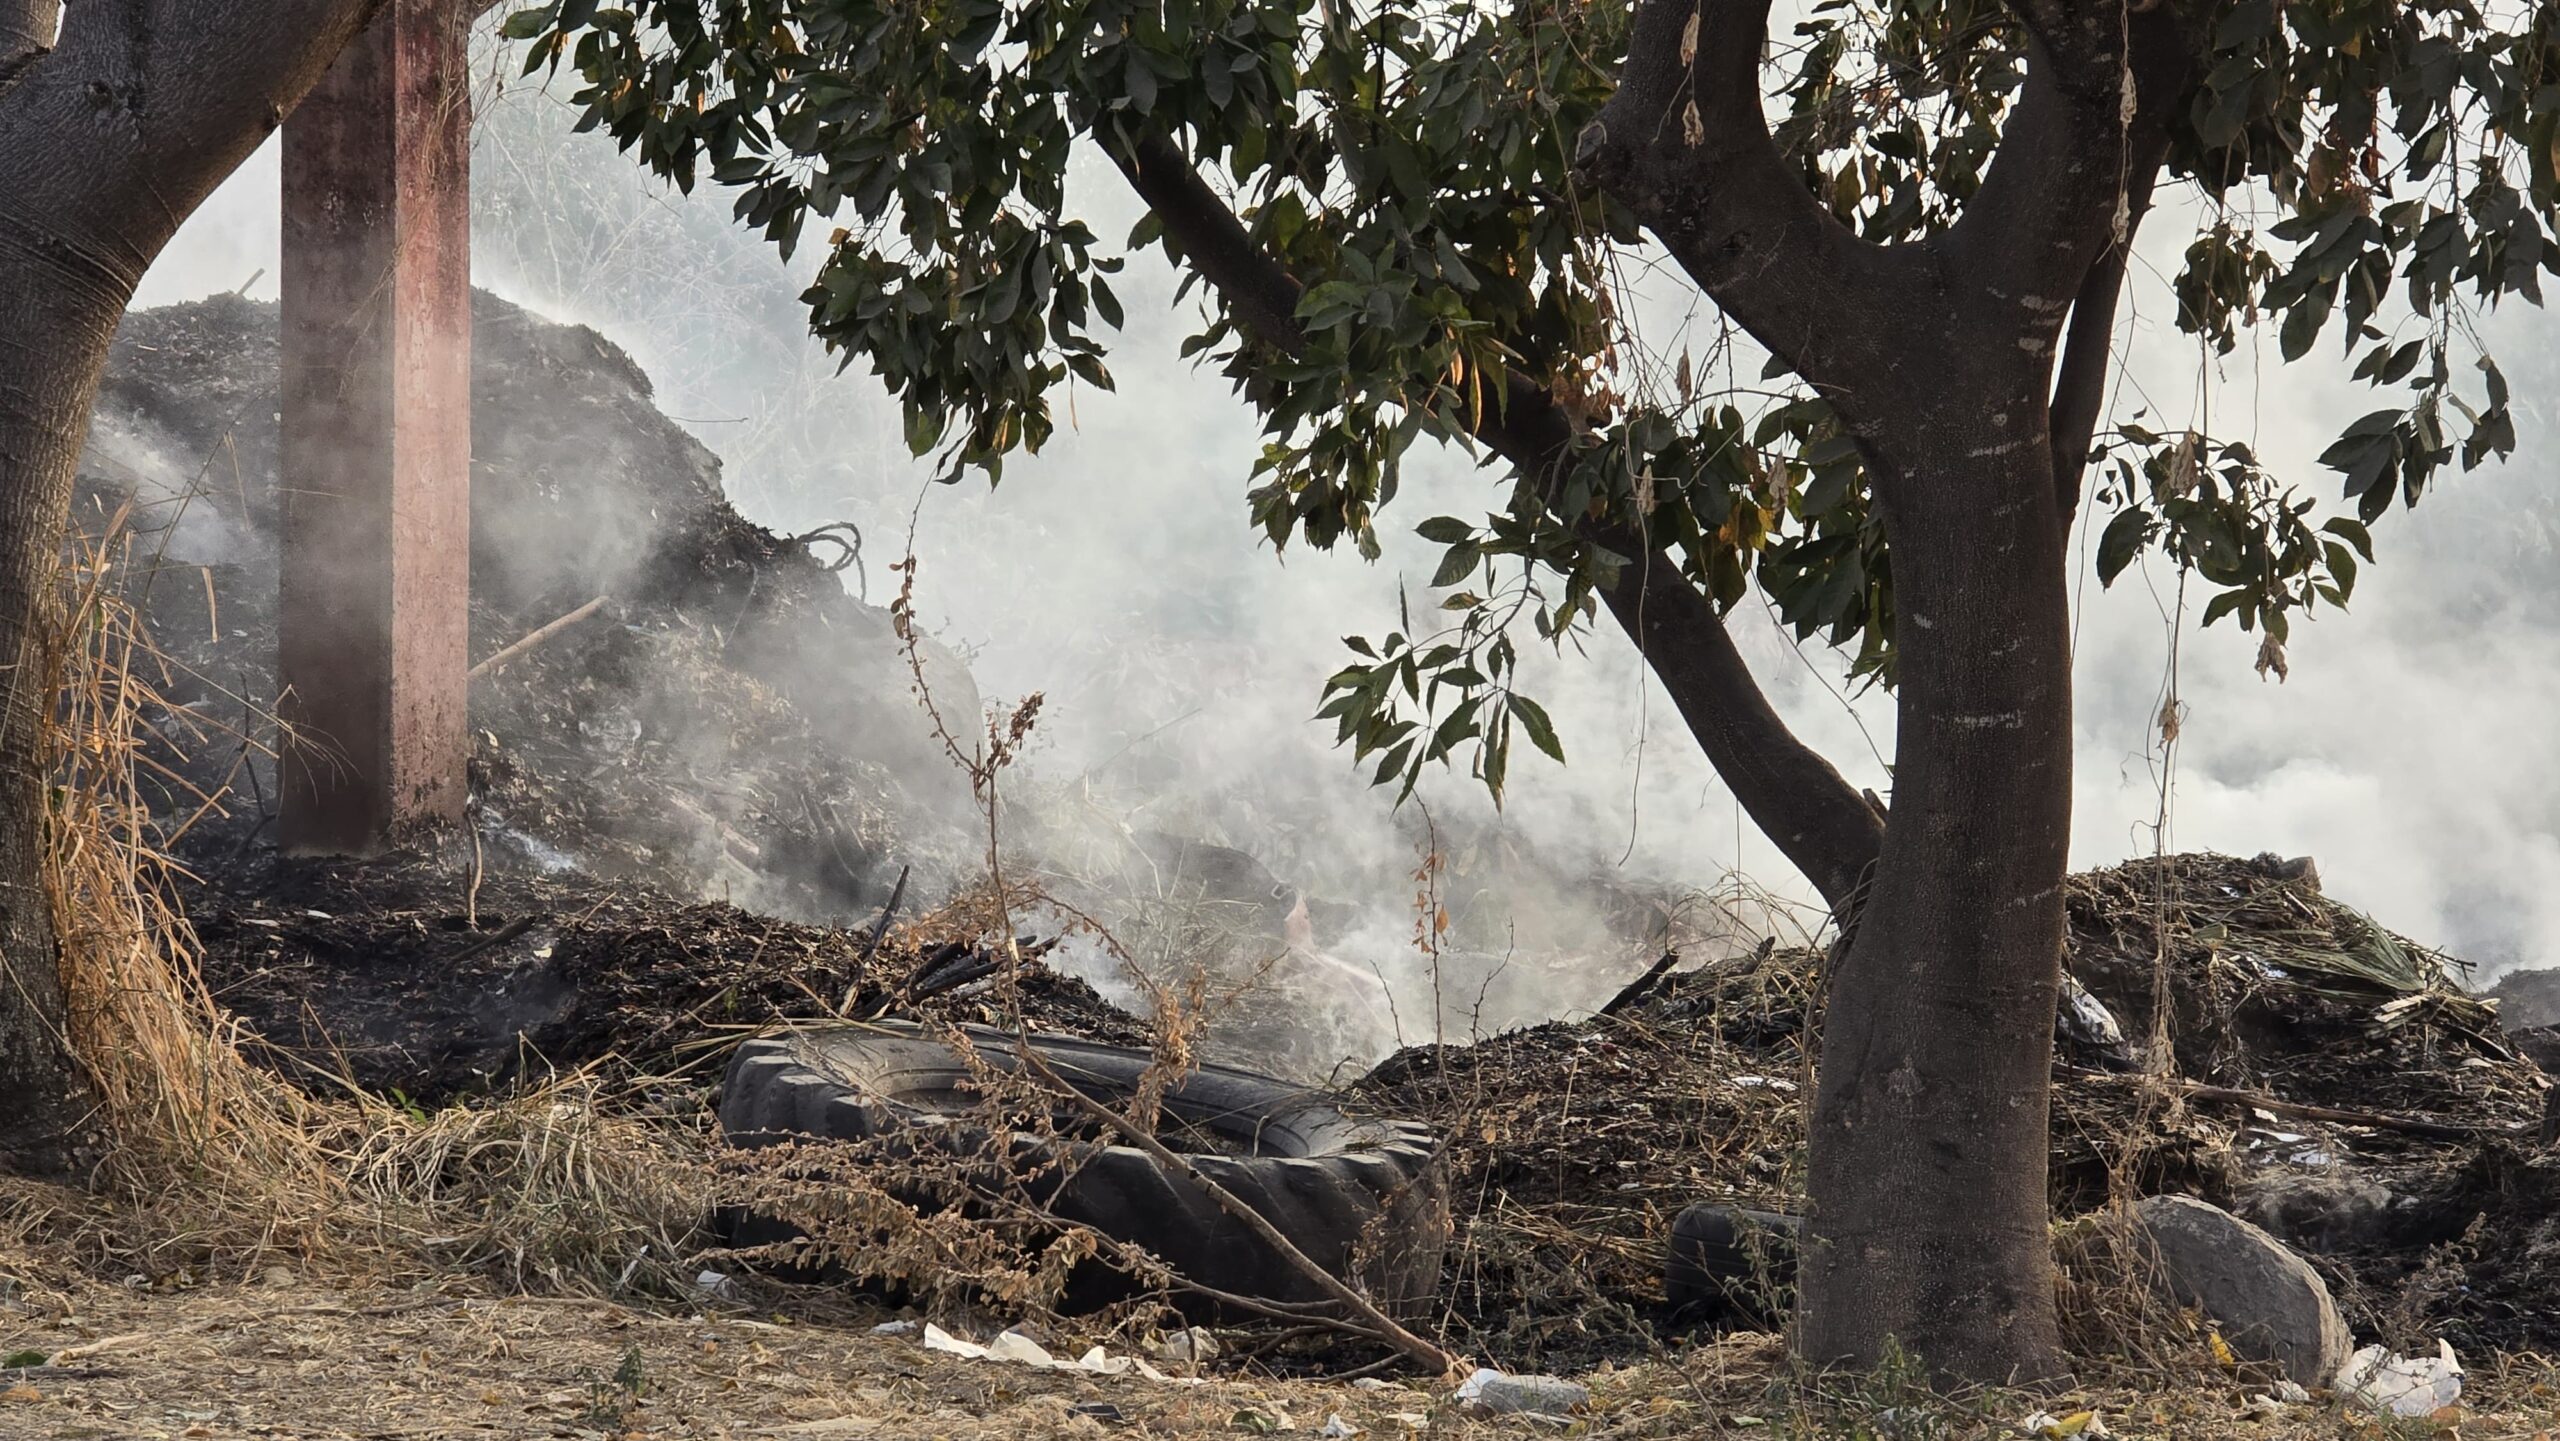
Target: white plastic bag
(2403, 1385)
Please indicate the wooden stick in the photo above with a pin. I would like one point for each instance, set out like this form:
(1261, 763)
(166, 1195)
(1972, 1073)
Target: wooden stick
(494, 939)
(1636, 989)
(537, 638)
(2407, 1125)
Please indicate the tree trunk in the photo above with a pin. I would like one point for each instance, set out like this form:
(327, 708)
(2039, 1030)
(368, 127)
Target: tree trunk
(59, 324)
(107, 142)
(1928, 1185)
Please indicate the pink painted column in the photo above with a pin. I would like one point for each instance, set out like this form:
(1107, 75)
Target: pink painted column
(377, 438)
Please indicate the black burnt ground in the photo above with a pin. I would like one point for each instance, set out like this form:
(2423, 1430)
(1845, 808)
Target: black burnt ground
(375, 973)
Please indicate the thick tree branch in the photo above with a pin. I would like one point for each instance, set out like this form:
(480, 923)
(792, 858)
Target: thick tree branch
(1209, 239)
(1816, 818)
(143, 107)
(1806, 808)
(2069, 155)
(1686, 148)
(2088, 354)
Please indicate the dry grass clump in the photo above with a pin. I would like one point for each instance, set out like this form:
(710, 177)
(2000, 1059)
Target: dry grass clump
(209, 1152)
(212, 1164)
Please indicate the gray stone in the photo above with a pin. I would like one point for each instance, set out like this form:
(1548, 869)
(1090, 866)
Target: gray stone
(2318, 1214)
(2270, 1305)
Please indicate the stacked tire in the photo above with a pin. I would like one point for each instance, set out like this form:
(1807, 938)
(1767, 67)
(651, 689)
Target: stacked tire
(1361, 1196)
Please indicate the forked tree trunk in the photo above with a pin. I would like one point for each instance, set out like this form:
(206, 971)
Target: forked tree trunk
(1929, 1206)
(107, 142)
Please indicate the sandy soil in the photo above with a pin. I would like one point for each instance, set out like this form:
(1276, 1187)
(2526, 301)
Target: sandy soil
(291, 1357)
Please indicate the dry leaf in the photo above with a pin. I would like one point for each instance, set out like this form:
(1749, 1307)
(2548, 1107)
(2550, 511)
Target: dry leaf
(1693, 126)
(2271, 658)
(1689, 41)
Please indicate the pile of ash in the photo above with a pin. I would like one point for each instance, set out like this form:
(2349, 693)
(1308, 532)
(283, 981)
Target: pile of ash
(2325, 1078)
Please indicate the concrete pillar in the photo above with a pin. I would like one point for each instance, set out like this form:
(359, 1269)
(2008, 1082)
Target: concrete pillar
(377, 438)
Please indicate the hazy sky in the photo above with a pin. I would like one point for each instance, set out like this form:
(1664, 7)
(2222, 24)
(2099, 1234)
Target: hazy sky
(1117, 573)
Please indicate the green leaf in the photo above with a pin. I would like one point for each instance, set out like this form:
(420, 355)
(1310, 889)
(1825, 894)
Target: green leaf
(1457, 565)
(1542, 731)
(2121, 541)
(526, 24)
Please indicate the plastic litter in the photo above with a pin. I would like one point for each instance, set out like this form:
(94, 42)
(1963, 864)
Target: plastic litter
(1188, 1345)
(2049, 1427)
(1337, 1429)
(1508, 1395)
(2403, 1385)
(1021, 1350)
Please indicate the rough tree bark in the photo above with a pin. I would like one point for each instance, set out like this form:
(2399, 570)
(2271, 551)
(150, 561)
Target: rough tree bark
(1928, 1187)
(108, 140)
(1797, 798)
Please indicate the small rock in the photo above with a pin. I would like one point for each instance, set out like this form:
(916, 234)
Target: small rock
(2270, 1304)
(1507, 1395)
(2317, 1213)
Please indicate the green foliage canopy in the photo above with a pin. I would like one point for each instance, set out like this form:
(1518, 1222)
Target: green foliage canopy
(2369, 172)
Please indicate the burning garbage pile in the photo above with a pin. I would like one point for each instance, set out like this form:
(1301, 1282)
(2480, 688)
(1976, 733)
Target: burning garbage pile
(2328, 1080)
(717, 716)
(660, 772)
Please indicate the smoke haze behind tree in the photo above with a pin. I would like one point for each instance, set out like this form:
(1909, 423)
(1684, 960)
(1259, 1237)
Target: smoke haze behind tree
(1117, 573)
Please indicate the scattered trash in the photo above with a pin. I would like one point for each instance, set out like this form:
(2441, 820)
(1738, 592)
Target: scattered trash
(1372, 1383)
(1337, 1429)
(894, 1328)
(2403, 1385)
(1190, 1345)
(1764, 1083)
(1502, 1394)
(719, 1286)
(2050, 1427)
(1102, 1411)
(2085, 1020)
(1021, 1350)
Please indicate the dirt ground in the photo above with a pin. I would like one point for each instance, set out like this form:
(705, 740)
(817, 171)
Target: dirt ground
(293, 1357)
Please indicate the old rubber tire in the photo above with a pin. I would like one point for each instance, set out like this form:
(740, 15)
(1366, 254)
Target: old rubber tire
(1361, 1197)
(1730, 1266)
